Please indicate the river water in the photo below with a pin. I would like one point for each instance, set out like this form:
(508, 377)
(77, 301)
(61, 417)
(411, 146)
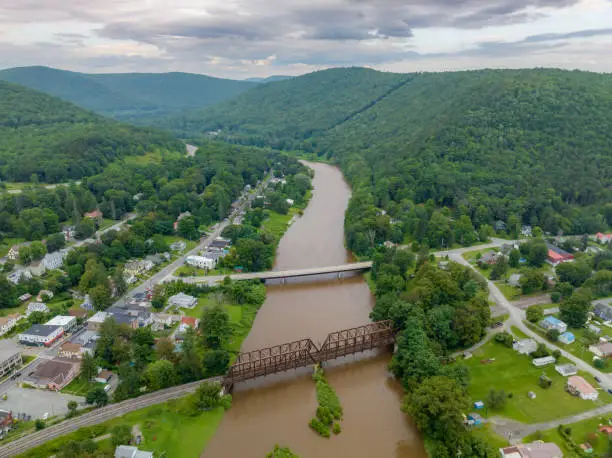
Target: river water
(277, 409)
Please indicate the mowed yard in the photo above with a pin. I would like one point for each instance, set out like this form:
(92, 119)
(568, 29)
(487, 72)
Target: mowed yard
(515, 373)
(583, 431)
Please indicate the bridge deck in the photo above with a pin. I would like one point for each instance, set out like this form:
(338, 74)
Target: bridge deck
(302, 353)
(271, 275)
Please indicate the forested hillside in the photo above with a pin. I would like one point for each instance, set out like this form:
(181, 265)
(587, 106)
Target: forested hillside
(133, 97)
(43, 138)
(449, 157)
(283, 113)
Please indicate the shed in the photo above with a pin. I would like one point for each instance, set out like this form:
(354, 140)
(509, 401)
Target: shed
(545, 361)
(567, 338)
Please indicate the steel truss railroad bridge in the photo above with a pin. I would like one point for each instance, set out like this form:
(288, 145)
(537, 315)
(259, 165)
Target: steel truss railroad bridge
(305, 352)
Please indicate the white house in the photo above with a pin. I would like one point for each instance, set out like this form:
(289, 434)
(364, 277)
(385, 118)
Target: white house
(138, 267)
(67, 323)
(37, 307)
(578, 386)
(183, 300)
(200, 262)
(18, 276)
(525, 346)
(54, 260)
(545, 361)
(8, 322)
(129, 278)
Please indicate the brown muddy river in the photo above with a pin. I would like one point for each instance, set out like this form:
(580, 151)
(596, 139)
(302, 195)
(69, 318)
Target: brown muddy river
(277, 409)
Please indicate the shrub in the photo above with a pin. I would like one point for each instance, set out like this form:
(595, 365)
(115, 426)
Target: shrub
(319, 427)
(39, 424)
(325, 415)
(556, 354)
(555, 297)
(541, 352)
(553, 335)
(534, 314)
(336, 428)
(545, 382)
(504, 338)
(600, 363)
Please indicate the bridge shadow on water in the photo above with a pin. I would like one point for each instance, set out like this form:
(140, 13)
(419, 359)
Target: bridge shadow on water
(319, 279)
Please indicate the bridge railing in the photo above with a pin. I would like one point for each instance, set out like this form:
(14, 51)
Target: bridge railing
(303, 353)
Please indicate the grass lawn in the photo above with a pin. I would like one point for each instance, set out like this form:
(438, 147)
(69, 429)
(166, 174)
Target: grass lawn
(163, 427)
(583, 431)
(276, 223)
(486, 433)
(516, 374)
(510, 292)
(105, 223)
(580, 347)
(234, 311)
(79, 386)
(518, 333)
(191, 244)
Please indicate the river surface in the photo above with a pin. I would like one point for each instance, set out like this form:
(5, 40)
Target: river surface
(277, 409)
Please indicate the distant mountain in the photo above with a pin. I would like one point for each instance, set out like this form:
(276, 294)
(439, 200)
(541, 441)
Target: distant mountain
(269, 79)
(56, 141)
(286, 112)
(133, 97)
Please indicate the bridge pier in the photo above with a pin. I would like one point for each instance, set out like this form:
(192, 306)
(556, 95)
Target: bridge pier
(339, 275)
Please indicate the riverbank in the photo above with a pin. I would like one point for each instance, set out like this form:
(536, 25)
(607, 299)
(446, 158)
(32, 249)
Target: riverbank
(278, 408)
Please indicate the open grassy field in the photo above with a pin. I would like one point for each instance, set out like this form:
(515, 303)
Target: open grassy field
(515, 374)
(276, 223)
(583, 431)
(164, 428)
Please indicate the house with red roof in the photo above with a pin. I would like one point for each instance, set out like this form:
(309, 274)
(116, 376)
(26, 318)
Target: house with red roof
(556, 255)
(603, 238)
(96, 214)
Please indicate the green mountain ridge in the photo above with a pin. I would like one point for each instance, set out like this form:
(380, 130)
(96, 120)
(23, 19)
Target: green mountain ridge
(55, 141)
(524, 147)
(288, 111)
(135, 97)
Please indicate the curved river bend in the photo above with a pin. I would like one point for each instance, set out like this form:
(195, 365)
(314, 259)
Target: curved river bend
(277, 409)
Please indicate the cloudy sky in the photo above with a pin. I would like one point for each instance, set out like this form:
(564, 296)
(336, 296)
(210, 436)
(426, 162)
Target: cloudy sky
(243, 38)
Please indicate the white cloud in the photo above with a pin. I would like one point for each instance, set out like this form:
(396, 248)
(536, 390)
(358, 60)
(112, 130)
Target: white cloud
(239, 38)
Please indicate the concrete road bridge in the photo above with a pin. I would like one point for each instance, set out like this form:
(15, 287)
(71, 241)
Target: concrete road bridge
(279, 274)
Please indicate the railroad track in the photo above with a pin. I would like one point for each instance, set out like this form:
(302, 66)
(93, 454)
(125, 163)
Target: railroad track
(100, 415)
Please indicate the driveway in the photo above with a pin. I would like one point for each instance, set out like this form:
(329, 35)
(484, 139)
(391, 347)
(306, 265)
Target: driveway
(517, 316)
(37, 402)
(515, 431)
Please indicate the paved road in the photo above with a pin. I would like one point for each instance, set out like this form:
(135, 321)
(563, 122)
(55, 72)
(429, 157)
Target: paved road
(517, 316)
(516, 431)
(97, 416)
(166, 272)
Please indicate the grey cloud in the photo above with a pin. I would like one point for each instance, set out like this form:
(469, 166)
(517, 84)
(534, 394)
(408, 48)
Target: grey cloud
(565, 36)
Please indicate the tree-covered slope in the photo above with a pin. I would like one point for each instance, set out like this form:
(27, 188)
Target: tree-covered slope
(479, 148)
(55, 141)
(130, 96)
(283, 113)
(527, 147)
